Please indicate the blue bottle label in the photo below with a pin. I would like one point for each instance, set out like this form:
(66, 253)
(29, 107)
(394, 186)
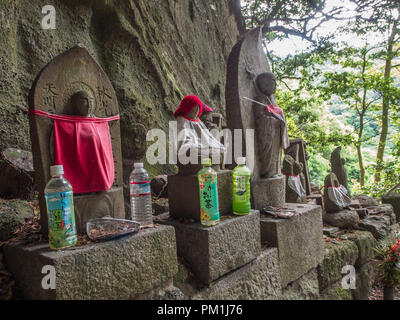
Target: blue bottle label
(140, 188)
(61, 217)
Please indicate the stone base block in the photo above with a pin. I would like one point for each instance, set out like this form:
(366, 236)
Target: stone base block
(183, 195)
(316, 199)
(268, 192)
(119, 269)
(98, 205)
(211, 252)
(258, 280)
(298, 239)
(341, 219)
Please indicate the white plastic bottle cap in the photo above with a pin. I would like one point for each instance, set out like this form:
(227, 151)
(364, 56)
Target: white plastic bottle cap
(56, 170)
(241, 161)
(138, 165)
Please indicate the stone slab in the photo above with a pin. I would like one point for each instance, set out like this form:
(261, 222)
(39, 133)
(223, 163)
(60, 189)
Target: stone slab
(304, 288)
(183, 195)
(258, 280)
(212, 252)
(119, 269)
(298, 239)
(268, 192)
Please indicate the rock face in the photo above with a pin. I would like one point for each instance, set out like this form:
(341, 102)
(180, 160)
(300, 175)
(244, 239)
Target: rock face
(12, 214)
(154, 52)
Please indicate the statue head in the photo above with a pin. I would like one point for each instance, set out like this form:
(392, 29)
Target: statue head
(266, 83)
(191, 107)
(81, 103)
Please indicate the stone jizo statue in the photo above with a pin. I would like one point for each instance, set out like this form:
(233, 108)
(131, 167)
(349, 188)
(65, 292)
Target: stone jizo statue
(270, 126)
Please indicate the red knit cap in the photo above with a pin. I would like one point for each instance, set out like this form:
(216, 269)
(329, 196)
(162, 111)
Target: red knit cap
(187, 104)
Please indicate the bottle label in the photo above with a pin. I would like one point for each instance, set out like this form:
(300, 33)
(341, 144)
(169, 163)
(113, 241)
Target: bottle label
(140, 188)
(240, 192)
(61, 216)
(208, 197)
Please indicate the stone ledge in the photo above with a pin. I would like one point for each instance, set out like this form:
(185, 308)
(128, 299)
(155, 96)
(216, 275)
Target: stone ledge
(298, 239)
(119, 269)
(212, 252)
(258, 280)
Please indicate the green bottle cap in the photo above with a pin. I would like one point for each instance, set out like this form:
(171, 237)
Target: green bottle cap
(206, 162)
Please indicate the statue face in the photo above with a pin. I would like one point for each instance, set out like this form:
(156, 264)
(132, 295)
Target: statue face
(81, 103)
(266, 83)
(194, 112)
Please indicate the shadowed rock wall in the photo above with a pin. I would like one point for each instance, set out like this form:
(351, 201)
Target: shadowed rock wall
(154, 51)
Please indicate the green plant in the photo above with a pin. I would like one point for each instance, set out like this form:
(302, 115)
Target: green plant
(389, 267)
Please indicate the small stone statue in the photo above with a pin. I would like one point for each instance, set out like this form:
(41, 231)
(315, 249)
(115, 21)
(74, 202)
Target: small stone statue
(294, 189)
(270, 126)
(194, 139)
(337, 165)
(335, 195)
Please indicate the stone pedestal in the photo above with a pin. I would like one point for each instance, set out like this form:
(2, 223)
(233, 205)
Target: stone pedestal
(183, 195)
(212, 252)
(121, 269)
(298, 239)
(268, 192)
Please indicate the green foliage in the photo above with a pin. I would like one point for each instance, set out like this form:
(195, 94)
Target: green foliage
(389, 267)
(333, 93)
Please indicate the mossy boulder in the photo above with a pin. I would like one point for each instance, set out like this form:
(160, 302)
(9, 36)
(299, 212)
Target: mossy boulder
(337, 255)
(12, 215)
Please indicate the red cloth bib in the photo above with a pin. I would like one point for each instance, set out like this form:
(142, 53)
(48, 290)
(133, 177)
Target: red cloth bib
(273, 109)
(83, 146)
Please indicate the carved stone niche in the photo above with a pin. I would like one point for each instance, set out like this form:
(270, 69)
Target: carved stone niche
(70, 77)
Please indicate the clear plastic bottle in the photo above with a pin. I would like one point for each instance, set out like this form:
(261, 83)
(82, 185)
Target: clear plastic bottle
(241, 187)
(140, 193)
(209, 211)
(60, 210)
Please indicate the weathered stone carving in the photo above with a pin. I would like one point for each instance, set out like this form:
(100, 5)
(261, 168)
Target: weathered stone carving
(249, 84)
(297, 150)
(74, 84)
(335, 198)
(337, 165)
(294, 189)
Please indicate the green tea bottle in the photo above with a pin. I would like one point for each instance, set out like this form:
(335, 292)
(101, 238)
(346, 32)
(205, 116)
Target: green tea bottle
(60, 210)
(209, 211)
(241, 187)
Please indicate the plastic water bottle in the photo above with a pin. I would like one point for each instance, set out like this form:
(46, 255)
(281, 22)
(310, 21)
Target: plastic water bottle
(241, 187)
(140, 193)
(60, 210)
(209, 211)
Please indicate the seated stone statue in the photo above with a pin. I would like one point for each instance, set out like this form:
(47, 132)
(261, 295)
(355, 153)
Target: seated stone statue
(270, 126)
(194, 139)
(294, 189)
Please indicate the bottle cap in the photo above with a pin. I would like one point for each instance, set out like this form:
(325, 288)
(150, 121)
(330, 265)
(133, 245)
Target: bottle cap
(206, 162)
(138, 165)
(241, 161)
(56, 170)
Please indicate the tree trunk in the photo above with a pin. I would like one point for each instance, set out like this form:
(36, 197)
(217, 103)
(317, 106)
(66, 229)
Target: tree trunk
(385, 102)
